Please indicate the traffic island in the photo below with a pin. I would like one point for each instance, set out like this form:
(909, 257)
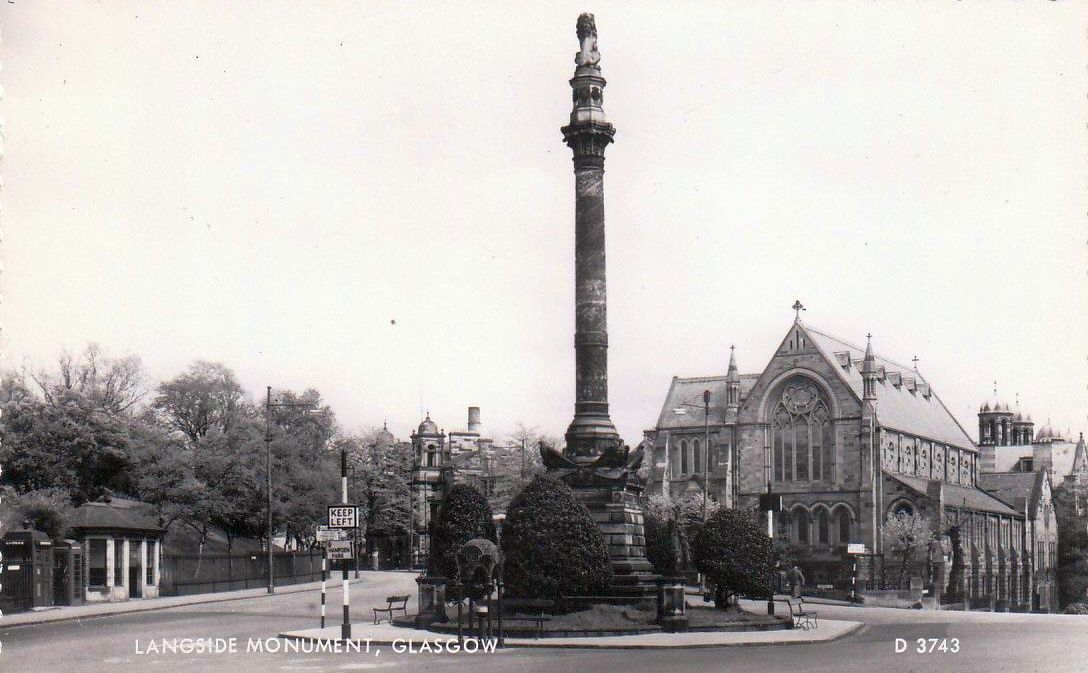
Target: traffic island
(603, 620)
(369, 637)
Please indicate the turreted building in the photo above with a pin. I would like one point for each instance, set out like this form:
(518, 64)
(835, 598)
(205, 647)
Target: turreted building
(441, 460)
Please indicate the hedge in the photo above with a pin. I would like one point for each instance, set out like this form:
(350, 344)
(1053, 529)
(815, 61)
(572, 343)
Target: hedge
(463, 515)
(551, 544)
(732, 549)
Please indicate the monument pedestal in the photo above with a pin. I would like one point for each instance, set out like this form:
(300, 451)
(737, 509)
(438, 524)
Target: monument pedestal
(612, 498)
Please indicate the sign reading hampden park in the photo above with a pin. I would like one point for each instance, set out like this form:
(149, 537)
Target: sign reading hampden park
(340, 550)
(343, 516)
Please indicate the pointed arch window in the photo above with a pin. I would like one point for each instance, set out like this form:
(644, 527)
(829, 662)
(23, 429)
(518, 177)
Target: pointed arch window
(685, 462)
(823, 527)
(844, 526)
(697, 456)
(801, 441)
(801, 521)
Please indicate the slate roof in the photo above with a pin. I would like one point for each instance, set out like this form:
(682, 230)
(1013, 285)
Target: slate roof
(957, 496)
(120, 514)
(897, 407)
(1010, 486)
(687, 394)
(1063, 456)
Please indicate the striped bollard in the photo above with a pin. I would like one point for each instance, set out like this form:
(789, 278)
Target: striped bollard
(324, 563)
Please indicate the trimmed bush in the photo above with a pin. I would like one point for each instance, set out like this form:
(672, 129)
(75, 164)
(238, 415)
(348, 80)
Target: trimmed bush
(732, 549)
(660, 547)
(552, 546)
(464, 515)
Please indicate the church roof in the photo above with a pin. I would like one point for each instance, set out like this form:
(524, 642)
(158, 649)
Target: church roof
(1010, 486)
(1062, 457)
(687, 394)
(958, 496)
(913, 409)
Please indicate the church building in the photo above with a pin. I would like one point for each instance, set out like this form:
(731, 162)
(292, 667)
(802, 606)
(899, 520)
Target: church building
(847, 437)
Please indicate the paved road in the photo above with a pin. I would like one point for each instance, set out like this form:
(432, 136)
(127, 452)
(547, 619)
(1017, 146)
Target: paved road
(987, 643)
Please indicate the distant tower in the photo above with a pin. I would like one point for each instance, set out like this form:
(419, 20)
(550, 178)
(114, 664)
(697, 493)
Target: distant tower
(732, 388)
(474, 424)
(995, 421)
(430, 454)
(1023, 428)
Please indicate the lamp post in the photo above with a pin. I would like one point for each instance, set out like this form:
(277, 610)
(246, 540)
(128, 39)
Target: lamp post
(770, 504)
(355, 536)
(705, 458)
(268, 469)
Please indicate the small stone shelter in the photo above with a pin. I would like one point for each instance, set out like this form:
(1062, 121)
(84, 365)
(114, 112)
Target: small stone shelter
(122, 545)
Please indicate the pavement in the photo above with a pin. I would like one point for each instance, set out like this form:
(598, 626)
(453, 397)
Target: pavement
(91, 610)
(964, 642)
(385, 634)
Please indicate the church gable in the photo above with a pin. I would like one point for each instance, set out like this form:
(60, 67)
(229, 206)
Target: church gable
(799, 354)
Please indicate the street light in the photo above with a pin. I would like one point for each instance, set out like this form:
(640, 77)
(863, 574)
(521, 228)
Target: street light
(706, 447)
(268, 468)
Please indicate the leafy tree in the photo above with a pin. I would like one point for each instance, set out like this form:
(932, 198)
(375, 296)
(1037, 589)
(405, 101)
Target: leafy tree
(463, 515)
(551, 544)
(667, 545)
(1071, 567)
(111, 384)
(686, 510)
(520, 466)
(735, 554)
(955, 575)
(69, 444)
(904, 535)
(47, 509)
(305, 470)
(383, 470)
(204, 399)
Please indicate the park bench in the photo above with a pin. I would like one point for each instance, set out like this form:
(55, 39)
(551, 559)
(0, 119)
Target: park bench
(527, 610)
(393, 603)
(803, 617)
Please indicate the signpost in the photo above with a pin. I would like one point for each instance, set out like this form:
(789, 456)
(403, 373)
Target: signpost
(325, 534)
(341, 550)
(854, 548)
(344, 517)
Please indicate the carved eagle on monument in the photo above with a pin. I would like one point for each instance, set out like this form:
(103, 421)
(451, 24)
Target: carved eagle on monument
(616, 456)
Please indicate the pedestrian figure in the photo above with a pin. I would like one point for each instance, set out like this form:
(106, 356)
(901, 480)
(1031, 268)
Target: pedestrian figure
(797, 580)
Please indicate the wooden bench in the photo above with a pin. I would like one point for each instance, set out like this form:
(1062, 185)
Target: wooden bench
(803, 617)
(531, 610)
(393, 603)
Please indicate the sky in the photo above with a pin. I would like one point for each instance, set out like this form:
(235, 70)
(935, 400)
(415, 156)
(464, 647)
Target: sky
(374, 199)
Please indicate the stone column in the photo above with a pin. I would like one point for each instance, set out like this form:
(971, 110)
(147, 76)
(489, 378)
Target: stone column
(143, 568)
(125, 566)
(595, 461)
(111, 552)
(588, 134)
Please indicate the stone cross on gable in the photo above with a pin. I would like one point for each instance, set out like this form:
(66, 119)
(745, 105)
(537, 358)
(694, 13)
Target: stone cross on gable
(798, 307)
(915, 361)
